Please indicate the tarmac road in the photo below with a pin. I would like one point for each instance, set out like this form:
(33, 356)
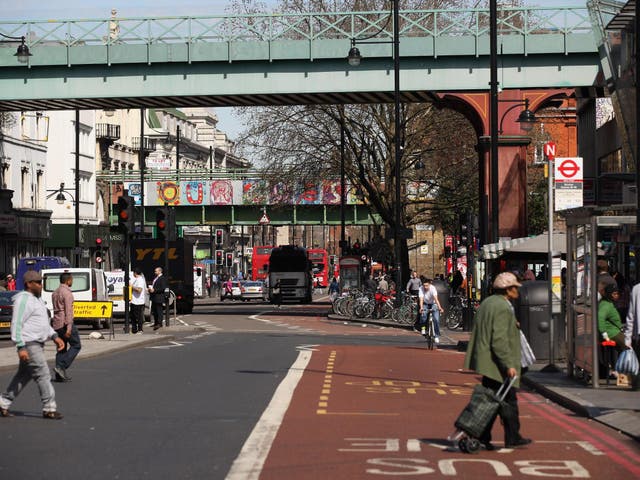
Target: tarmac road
(285, 393)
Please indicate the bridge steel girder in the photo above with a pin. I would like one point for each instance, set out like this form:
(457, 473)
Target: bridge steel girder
(176, 76)
(278, 215)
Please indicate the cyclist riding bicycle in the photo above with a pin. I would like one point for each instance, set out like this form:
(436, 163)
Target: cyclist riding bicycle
(428, 297)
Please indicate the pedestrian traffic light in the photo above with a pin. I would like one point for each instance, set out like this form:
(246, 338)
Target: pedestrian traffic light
(99, 258)
(219, 236)
(228, 259)
(125, 214)
(161, 222)
(219, 258)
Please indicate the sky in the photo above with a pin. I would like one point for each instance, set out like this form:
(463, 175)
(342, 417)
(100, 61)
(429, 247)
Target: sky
(78, 9)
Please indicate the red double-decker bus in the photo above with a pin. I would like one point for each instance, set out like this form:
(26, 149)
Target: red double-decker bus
(319, 259)
(260, 262)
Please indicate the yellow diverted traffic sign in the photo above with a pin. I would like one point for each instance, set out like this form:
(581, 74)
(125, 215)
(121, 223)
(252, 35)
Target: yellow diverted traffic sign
(92, 309)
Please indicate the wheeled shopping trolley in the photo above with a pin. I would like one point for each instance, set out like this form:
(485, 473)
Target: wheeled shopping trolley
(475, 417)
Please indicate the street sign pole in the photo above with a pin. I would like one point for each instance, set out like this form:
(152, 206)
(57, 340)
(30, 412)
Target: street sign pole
(551, 367)
(167, 293)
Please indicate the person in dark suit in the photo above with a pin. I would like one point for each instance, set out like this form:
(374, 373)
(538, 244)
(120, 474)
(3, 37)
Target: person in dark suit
(158, 296)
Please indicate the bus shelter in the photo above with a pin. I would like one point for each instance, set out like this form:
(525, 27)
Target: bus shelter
(593, 233)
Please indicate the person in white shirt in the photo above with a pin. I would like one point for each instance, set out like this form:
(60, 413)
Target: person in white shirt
(138, 289)
(427, 300)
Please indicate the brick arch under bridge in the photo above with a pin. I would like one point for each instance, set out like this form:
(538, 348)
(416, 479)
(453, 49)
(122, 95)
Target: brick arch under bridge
(512, 148)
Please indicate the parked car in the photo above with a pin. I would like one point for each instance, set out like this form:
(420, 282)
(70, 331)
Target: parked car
(236, 292)
(253, 290)
(6, 310)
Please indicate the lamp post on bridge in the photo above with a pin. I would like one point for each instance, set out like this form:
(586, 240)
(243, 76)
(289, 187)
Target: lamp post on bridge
(22, 52)
(354, 60)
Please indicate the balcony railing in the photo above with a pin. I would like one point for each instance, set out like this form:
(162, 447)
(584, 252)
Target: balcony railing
(148, 144)
(107, 131)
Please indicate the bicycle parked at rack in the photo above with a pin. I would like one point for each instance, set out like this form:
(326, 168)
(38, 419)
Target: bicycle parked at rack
(407, 312)
(455, 313)
(454, 318)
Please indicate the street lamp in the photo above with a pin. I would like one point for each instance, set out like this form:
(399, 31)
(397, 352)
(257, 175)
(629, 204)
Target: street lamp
(61, 198)
(354, 58)
(22, 52)
(526, 119)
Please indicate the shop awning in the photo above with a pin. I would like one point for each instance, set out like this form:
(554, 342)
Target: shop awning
(491, 251)
(522, 248)
(540, 244)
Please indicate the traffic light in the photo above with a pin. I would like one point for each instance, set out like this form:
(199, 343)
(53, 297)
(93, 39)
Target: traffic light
(228, 259)
(99, 258)
(473, 228)
(125, 214)
(464, 236)
(219, 236)
(464, 230)
(161, 222)
(171, 223)
(219, 258)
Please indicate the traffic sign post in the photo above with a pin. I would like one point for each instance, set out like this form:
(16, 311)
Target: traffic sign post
(550, 150)
(92, 309)
(264, 219)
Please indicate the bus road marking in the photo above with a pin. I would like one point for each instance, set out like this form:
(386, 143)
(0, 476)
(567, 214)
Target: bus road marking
(410, 387)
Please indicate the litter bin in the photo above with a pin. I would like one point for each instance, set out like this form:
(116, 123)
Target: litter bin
(532, 311)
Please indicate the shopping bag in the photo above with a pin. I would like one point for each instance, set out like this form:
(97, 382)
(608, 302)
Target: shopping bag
(527, 358)
(627, 362)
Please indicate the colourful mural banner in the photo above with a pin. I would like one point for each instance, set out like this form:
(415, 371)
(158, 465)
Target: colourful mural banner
(165, 192)
(220, 192)
(237, 192)
(254, 192)
(330, 192)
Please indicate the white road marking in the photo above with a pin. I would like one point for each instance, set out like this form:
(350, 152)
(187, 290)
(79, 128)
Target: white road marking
(249, 463)
(308, 348)
(164, 347)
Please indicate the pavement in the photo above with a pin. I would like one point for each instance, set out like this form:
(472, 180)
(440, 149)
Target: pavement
(615, 406)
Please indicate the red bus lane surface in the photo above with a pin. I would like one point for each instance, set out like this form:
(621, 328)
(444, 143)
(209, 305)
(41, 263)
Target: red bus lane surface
(385, 411)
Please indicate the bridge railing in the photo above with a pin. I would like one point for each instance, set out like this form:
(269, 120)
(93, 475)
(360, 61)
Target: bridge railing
(275, 27)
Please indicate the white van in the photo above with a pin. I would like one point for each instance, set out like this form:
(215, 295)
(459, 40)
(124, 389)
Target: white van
(89, 285)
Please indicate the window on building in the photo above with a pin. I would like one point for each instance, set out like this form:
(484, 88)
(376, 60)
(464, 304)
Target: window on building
(25, 188)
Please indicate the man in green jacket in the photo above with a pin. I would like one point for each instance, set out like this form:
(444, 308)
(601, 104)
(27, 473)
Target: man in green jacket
(494, 353)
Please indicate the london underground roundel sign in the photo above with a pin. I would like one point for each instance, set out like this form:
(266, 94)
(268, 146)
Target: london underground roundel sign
(569, 169)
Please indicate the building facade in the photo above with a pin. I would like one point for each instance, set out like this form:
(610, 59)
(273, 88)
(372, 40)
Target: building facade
(24, 218)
